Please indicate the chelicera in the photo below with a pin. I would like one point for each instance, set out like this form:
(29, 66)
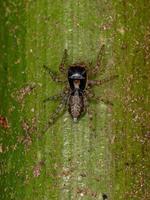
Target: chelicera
(77, 91)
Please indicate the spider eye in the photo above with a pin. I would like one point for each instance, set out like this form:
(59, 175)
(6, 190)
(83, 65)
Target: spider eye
(76, 76)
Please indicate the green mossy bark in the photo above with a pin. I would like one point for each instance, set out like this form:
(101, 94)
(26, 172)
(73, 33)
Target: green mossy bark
(69, 161)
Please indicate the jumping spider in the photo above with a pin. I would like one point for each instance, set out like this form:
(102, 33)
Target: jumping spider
(76, 94)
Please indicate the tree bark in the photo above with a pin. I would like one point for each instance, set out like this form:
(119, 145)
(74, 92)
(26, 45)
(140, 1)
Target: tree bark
(70, 161)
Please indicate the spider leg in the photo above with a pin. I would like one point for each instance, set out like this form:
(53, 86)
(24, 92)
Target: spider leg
(53, 98)
(59, 111)
(90, 113)
(58, 96)
(91, 96)
(62, 67)
(96, 98)
(53, 75)
(98, 67)
(92, 83)
(60, 108)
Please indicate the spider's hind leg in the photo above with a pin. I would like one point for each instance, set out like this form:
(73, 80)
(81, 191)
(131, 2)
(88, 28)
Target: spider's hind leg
(55, 115)
(60, 108)
(105, 101)
(90, 114)
(93, 97)
(53, 98)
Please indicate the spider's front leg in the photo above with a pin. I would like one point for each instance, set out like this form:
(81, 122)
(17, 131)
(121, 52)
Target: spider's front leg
(62, 67)
(55, 77)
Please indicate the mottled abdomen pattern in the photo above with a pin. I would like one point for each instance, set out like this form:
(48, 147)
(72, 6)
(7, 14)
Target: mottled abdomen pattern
(76, 106)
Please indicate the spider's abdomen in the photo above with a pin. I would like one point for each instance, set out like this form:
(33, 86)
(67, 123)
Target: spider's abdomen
(76, 105)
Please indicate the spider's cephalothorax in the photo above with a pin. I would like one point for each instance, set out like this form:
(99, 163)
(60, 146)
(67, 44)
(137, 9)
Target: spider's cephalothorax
(77, 77)
(78, 91)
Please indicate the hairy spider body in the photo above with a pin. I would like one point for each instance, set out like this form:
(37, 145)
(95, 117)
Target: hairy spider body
(77, 78)
(78, 92)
